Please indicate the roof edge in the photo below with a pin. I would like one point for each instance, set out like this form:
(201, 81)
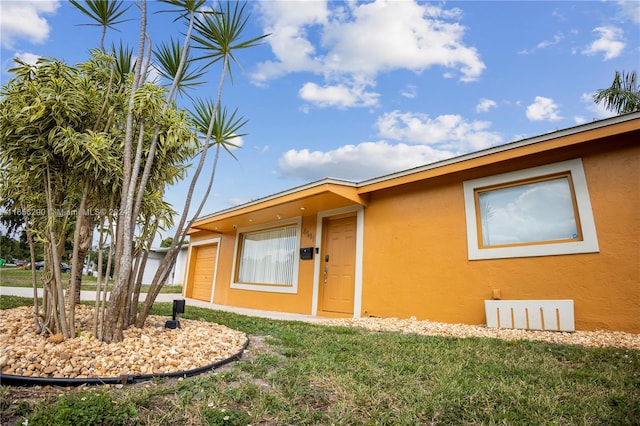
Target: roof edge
(458, 159)
(506, 147)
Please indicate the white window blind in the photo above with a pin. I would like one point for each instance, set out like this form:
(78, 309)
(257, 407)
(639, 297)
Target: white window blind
(268, 257)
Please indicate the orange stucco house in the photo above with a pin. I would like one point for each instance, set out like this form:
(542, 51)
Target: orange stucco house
(550, 218)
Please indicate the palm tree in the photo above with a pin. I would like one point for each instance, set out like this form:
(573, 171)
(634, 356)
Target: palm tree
(146, 163)
(623, 96)
(218, 35)
(105, 13)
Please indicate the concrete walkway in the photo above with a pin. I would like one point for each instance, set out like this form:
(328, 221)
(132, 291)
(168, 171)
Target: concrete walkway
(169, 297)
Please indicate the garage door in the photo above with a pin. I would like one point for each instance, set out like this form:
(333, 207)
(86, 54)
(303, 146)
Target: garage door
(202, 277)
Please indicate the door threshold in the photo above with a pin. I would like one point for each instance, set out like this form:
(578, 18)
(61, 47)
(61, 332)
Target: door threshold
(330, 314)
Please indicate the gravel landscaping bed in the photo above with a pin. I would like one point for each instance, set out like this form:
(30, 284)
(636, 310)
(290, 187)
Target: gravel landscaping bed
(430, 328)
(149, 350)
(158, 350)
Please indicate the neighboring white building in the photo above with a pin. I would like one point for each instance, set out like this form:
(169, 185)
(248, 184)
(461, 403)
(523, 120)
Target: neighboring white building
(155, 258)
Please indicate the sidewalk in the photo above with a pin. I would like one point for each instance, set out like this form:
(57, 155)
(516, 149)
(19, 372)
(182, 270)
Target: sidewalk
(169, 297)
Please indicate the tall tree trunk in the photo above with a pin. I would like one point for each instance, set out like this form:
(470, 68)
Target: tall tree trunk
(139, 275)
(76, 267)
(32, 256)
(116, 314)
(53, 260)
(167, 263)
(86, 238)
(101, 239)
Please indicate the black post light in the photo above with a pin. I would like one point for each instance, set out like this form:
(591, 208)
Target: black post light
(178, 308)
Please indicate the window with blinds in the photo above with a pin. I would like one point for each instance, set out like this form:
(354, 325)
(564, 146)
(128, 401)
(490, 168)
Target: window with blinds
(269, 256)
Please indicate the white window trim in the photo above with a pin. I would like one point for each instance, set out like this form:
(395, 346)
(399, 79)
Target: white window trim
(589, 243)
(271, 288)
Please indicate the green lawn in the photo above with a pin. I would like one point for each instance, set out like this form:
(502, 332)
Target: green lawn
(303, 374)
(16, 277)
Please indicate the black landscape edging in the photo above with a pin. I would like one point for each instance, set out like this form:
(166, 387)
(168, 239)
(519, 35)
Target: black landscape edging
(12, 380)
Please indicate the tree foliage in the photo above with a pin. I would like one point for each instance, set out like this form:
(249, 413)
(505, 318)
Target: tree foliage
(97, 144)
(623, 96)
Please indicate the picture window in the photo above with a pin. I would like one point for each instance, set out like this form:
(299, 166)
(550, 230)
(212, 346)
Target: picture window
(267, 258)
(539, 211)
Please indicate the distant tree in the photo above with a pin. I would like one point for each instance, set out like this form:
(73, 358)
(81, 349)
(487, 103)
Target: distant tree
(166, 242)
(623, 96)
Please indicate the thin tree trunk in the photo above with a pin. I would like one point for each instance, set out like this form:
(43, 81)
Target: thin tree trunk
(75, 264)
(138, 283)
(32, 256)
(103, 306)
(96, 309)
(172, 94)
(115, 314)
(86, 238)
(54, 261)
(165, 265)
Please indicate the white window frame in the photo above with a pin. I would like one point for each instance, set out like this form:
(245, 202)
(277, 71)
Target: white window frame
(273, 288)
(589, 242)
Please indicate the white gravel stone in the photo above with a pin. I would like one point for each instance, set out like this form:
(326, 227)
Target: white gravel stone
(150, 350)
(431, 328)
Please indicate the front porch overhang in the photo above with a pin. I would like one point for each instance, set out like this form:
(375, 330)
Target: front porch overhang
(328, 194)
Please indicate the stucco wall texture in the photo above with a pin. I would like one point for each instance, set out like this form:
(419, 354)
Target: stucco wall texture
(415, 262)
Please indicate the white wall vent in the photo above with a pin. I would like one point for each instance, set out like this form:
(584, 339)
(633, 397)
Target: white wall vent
(550, 315)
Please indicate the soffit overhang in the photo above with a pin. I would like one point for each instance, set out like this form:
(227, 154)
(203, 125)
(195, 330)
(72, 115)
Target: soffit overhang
(324, 195)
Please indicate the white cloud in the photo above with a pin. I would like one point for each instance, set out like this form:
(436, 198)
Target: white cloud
(387, 35)
(25, 20)
(410, 91)
(629, 10)
(29, 58)
(340, 96)
(543, 109)
(546, 43)
(421, 141)
(485, 105)
(357, 162)
(557, 38)
(598, 111)
(609, 42)
(351, 43)
(450, 132)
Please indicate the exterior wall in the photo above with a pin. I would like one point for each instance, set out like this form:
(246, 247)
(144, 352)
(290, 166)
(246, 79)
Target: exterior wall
(178, 272)
(416, 264)
(414, 251)
(153, 262)
(293, 303)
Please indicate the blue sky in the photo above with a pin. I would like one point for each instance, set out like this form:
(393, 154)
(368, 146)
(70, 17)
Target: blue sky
(356, 90)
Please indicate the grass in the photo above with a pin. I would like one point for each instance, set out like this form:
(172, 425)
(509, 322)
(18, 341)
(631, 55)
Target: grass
(304, 374)
(18, 277)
